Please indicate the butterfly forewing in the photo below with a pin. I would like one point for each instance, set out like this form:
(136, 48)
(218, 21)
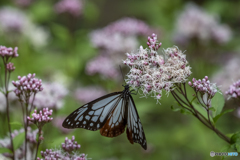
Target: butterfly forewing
(135, 131)
(93, 115)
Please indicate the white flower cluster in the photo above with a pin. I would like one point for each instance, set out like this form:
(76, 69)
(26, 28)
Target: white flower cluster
(153, 72)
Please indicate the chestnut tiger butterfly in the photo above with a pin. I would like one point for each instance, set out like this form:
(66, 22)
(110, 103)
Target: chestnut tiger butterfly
(110, 113)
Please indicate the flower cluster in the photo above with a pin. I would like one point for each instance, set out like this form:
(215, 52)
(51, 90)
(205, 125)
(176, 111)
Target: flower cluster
(10, 67)
(51, 97)
(64, 153)
(152, 42)
(203, 86)
(73, 7)
(8, 52)
(195, 22)
(88, 94)
(42, 117)
(27, 85)
(153, 72)
(70, 145)
(234, 90)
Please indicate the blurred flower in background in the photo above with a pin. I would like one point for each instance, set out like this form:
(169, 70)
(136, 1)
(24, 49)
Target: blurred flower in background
(12, 99)
(23, 3)
(113, 41)
(57, 122)
(12, 20)
(195, 22)
(225, 77)
(73, 7)
(104, 66)
(16, 24)
(51, 97)
(87, 94)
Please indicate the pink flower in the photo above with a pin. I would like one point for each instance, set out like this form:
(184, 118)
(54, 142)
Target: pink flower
(73, 7)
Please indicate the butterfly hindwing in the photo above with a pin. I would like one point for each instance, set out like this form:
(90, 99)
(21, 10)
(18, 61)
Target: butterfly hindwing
(116, 122)
(135, 131)
(93, 115)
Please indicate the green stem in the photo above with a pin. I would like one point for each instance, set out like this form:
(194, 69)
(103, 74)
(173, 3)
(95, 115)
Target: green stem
(7, 107)
(38, 143)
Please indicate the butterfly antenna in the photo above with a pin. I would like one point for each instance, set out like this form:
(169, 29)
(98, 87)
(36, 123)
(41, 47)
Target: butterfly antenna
(121, 72)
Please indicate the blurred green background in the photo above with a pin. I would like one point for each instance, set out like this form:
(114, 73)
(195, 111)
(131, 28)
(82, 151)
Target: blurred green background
(57, 44)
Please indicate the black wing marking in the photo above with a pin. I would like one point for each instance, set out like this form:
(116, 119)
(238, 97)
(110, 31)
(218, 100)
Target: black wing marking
(93, 115)
(116, 122)
(135, 131)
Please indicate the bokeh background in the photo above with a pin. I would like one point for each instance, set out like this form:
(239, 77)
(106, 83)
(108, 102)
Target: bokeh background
(76, 47)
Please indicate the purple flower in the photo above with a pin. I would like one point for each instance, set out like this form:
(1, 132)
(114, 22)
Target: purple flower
(10, 67)
(51, 97)
(203, 86)
(8, 52)
(41, 118)
(73, 7)
(66, 152)
(88, 94)
(195, 22)
(70, 145)
(27, 85)
(234, 90)
(104, 66)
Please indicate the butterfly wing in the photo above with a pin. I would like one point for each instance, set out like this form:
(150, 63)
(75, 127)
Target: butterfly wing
(116, 122)
(135, 131)
(93, 115)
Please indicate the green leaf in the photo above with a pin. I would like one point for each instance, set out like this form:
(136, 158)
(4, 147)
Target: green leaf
(217, 103)
(16, 124)
(237, 146)
(5, 150)
(201, 109)
(185, 111)
(212, 109)
(175, 109)
(224, 112)
(18, 140)
(193, 99)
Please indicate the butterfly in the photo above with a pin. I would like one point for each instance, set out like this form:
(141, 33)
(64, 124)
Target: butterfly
(111, 114)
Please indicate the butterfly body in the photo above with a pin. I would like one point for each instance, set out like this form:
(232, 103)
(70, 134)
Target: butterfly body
(111, 114)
